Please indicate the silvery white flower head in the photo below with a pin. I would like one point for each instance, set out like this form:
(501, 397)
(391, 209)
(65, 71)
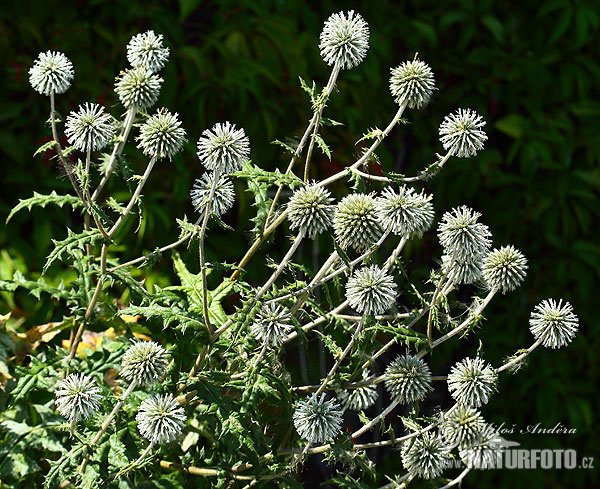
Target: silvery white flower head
(144, 362)
(554, 323)
(310, 210)
(485, 452)
(472, 381)
(223, 198)
(160, 419)
(412, 82)
(425, 456)
(356, 223)
(138, 87)
(90, 128)
(462, 133)
(462, 426)
(223, 147)
(161, 136)
(360, 398)
(404, 213)
(344, 39)
(77, 397)
(272, 324)
(408, 379)
(371, 290)
(147, 50)
(51, 72)
(463, 272)
(505, 268)
(463, 238)
(317, 419)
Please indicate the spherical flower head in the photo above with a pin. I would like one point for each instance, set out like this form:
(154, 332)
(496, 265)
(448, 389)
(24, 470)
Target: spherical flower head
(371, 290)
(90, 128)
(404, 213)
(51, 72)
(77, 397)
(553, 323)
(462, 426)
(463, 272)
(317, 419)
(344, 39)
(464, 238)
(160, 419)
(412, 82)
(138, 87)
(472, 381)
(144, 362)
(505, 268)
(462, 134)
(161, 136)
(425, 456)
(360, 398)
(408, 379)
(147, 50)
(356, 223)
(485, 452)
(223, 198)
(223, 147)
(272, 324)
(310, 210)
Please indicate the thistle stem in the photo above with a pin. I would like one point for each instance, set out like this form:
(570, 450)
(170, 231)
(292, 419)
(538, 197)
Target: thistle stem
(519, 358)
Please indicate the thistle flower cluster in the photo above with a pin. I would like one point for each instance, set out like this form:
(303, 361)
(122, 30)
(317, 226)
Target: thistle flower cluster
(405, 213)
(161, 136)
(147, 50)
(356, 223)
(504, 269)
(77, 397)
(461, 133)
(310, 210)
(472, 381)
(553, 323)
(90, 128)
(138, 87)
(408, 379)
(272, 324)
(485, 452)
(412, 82)
(462, 426)
(144, 362)
(51, 72)
(371, 290)
(223, 148)
(160, 419)
(425, 456)
(344, 39)
(318, 419)
(223, 198)
(360, 398)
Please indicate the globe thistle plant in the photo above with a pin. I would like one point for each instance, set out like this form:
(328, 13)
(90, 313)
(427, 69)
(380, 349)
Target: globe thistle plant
(272, 324)
(77, 397)
(505, 268)
(90, 128)
(161, 136)
(160, 419)
(462, 426)
(462, 236)
(344, 39)
(147, 50)
(404, 213)
(425, 456)
(412, 82)
(144, 362)
(371, 290)
(408, 379)
(554, 323)
(310, 210)
(356, 223)
(138, 88)
(51, 72)
(485, 452)
(472, 381)
(461, 133)
(223, 147)
(317, 419)
(223, 198)
(360, 398)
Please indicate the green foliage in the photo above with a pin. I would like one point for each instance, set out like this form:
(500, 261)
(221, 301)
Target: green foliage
(73, 245)
(44, 200)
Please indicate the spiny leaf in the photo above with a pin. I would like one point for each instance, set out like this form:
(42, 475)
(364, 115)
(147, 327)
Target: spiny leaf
(374, 133)
(43, 200)
(168, 315)
(323, 146)
(285, 146)
(253, 173)
(45, 147)
(35, 288)
(73, 243)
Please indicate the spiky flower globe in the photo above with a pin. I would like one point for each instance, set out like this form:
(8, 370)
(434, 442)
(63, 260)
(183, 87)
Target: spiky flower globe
(356, 223)
(371, 290)
(51, 72)
(462, 426)
(344, 39)
(144, 362)
(553, 323)
(360, 398)
(223, 147)
(318, 419)
(90, 128)
(472, 381)
(223, 198)
(161, 136)
(462, 236)
(412, 82)
(160, 419)
(485, 452)
(505, 268)
(463, 272)
(77, 397)
(462, 133)
(147, 50)
(404, 213)
(408, 379)
(272, 324)
(310, 210)
(138, 87)
(425, 456)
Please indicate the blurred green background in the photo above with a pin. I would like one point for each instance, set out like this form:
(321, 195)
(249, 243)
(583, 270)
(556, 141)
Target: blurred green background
(532, 69)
